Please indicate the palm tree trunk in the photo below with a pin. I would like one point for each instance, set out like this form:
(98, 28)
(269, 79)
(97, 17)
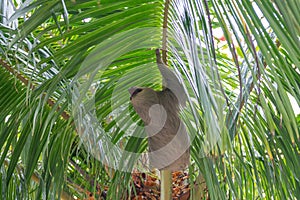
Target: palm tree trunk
(166, 185)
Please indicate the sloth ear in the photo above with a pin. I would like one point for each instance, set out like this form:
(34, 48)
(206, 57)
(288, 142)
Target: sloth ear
(170, 80)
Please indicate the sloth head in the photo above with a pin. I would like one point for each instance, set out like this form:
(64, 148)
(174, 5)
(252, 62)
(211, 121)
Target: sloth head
(142, 99)
(140, 96)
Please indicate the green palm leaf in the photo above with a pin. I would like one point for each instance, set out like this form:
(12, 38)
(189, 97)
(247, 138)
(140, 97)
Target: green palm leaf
(243, 91)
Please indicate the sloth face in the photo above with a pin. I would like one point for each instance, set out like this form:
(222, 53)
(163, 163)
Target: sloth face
(142, 95)
(142, 100)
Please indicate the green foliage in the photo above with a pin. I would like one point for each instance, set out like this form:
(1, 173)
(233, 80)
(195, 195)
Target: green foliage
(243, 90)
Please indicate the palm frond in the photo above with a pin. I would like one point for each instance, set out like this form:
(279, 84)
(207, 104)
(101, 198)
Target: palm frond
(239, 62)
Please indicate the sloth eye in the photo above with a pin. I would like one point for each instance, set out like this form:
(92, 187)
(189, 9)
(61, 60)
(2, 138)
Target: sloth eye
(136, 91)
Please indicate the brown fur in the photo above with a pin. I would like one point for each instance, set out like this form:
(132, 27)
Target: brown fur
(168, 140)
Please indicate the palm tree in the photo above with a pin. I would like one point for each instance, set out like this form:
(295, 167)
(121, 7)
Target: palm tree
(68, 130)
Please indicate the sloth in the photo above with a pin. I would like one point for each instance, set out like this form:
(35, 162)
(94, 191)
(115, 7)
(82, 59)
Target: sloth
(168, 140)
